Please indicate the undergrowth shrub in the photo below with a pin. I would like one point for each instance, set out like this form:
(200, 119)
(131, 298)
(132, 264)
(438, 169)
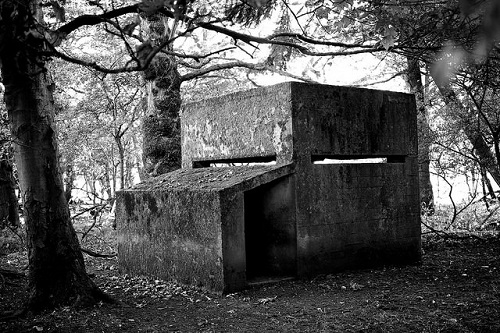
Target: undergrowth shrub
(463, 217)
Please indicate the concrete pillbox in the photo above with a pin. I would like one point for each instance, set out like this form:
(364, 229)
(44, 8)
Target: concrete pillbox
(289, 180)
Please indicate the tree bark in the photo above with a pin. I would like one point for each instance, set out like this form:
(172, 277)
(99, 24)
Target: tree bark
(56, 271)
(414, 79)
(161, 123)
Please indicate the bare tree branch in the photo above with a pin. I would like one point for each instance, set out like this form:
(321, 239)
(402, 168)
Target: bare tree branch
(256, 67)
(294, 40)
(86, 20)
(97, 255)
(197, 57)
(272, 40)
(393, 76)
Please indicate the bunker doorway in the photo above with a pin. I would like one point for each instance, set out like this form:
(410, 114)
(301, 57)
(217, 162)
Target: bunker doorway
(270, 231)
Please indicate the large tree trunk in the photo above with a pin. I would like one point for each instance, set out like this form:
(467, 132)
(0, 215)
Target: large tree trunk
(414, 79)
(56, 274)
(161, 124)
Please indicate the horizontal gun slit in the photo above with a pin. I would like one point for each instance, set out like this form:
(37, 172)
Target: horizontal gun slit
(241, 161)
(356, 159)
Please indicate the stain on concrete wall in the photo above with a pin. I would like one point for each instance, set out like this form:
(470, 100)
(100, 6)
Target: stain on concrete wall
(354, 215)
(159, 237)
(251, 123)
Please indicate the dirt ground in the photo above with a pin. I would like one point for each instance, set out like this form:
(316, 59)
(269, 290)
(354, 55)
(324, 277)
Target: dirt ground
(456, 289)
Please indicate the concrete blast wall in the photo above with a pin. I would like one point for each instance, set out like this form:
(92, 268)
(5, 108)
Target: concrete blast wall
(223, 228)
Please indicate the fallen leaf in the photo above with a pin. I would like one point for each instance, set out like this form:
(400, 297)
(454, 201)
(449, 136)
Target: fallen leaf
(266, 300)
(356, 286)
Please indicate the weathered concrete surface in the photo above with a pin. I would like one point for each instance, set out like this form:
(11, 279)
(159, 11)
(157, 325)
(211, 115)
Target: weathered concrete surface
(223, 227)
(355, 215)
(251, 123)
(188, 225)
(358, 215)
(352, 121)
(158, 236)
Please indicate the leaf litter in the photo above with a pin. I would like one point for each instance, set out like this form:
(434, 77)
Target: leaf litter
(456, 289)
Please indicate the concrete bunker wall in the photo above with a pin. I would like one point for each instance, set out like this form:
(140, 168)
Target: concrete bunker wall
(359, 215)
(158, 236)
(349, 214)
(243, 126)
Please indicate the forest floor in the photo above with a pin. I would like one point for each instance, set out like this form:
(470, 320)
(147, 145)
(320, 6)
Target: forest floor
(455, 289)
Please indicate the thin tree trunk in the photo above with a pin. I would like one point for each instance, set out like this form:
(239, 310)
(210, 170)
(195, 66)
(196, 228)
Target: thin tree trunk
(121, 154)
(108, 184)
(486, 183)
(414, 79)
(8, 200)
(137, 159)
(128, 172)
(69, 181)
(468, 124)
(56, 271)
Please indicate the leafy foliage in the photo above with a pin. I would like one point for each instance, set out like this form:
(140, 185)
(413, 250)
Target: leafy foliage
(248, 12)
(5, 146)
(100, 124)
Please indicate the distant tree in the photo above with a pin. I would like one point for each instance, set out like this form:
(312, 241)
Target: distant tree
(414, 79)
(9, 207)
(97, 131)
(475, 89)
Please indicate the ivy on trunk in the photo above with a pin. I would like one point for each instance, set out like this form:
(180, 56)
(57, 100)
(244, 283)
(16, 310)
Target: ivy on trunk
(161, 125)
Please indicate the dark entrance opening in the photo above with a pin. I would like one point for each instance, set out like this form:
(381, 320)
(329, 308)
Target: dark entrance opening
(270, 231)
